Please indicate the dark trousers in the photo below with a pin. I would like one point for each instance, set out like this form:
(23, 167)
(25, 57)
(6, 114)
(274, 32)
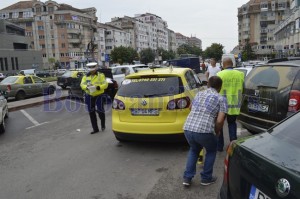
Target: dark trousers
(232, 128)
(95, 103)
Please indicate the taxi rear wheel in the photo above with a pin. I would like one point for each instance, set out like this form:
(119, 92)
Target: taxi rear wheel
(20, 95)
(2, 127)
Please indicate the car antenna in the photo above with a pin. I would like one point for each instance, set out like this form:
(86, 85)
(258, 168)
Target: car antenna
(171, 68)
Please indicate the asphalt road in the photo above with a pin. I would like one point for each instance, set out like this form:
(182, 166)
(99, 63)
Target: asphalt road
(47, 152)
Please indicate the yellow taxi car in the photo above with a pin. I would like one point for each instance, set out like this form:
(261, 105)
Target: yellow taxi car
(69, 77)
(152, 105)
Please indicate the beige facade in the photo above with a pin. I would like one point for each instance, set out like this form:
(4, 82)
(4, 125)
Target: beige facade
(257, 21)
(59, 31)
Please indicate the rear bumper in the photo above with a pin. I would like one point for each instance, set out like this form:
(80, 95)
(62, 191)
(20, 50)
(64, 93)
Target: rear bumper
(178, 137)
(252, 128)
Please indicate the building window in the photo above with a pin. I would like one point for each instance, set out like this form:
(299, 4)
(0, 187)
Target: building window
(5, 64)
(27, 14)
(1, 64)
(63, 45)
(53, 45)
(38, 9)
(41, 36)
(28, 24)
(40, 27)
(62, 54)
(50, 9)
(15, 15)
(44, 55)
(42, 46)
(17, 63)
(28, 34)
(51, 17)
(12, 63)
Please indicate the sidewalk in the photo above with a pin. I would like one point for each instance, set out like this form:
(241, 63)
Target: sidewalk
(35, 101)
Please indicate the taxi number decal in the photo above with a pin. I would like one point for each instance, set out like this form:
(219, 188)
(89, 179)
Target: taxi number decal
(149, 80)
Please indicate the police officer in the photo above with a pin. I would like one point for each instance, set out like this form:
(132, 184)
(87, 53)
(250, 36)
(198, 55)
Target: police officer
(232, 88)
(93, 84)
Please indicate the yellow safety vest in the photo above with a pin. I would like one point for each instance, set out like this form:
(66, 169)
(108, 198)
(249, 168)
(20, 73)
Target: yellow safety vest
(232, 89)
(96, 80)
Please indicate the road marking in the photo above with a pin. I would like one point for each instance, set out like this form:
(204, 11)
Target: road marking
(31, 119)
(75, 101)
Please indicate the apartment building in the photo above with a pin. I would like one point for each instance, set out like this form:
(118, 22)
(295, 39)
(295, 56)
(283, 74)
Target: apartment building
(59, 31)
(287, 33)
(172, 42)
(181, 39)
(14, 52)
(194, 41)
(158, 32)
(257, 21)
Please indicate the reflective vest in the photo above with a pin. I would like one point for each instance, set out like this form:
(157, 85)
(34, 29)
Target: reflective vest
(232, 88)
(96, 80)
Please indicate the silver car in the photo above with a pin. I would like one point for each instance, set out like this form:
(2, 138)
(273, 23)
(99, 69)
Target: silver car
(3, 112)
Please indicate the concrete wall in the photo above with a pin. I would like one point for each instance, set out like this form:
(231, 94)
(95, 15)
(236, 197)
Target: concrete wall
(25, 59)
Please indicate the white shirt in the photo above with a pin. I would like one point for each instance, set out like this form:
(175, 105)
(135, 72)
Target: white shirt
(213, 70)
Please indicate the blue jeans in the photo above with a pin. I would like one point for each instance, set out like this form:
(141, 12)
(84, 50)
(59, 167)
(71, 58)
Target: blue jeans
(232, 128)
(95, 104)
(197, 141)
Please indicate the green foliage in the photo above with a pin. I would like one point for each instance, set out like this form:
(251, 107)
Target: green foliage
(123, 55)
(248, 53)
(214, 51)
(188, 49)
(147, 55)
(166, 54)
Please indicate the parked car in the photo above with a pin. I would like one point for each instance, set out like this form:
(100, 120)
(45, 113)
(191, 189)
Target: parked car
(67, 78)
(265, 165)
(271, 93)
(75, 90)
(245, 70)
(43, 74)
(4, 111)
(152, 105)
(119, 72)
(21, 86)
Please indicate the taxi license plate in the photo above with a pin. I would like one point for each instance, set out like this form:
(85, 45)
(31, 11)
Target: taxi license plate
(258, 107)
(257, 194)
(147, 112)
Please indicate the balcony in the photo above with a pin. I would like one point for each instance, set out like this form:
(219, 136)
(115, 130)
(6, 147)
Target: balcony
(74, 41)
(73, 31)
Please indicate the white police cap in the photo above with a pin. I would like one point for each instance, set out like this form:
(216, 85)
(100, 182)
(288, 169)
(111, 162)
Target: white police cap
(91, 64)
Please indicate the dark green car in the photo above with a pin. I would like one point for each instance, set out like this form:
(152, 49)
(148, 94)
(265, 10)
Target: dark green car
(266, 165)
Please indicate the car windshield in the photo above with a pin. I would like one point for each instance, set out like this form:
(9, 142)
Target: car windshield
(10, 80)
(148, 87)
(278, 77)
(68, 74)
(288, 130)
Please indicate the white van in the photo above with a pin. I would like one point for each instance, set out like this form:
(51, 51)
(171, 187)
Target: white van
(230, 56)
(28, 72)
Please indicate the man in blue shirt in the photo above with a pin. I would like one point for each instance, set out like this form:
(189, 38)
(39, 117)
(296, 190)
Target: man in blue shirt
(201, 129)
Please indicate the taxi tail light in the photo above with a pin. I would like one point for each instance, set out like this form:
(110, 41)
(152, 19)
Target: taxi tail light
(294, 101)
(8, 88)
(115, 84)
(179, 103)
(229, 150)
(118, 105)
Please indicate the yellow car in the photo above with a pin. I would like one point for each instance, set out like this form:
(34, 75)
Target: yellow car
(152, 105)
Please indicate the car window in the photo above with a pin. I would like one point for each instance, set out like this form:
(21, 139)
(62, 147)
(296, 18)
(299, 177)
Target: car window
(147, 87)
(10, 80)
(243, 70)
(121, 70)
(189, 76)
(27, 80)
(271, 76)
(288, 130)
(37, 80)
(67, 74)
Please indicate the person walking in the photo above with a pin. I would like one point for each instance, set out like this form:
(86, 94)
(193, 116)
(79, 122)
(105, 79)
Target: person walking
(212, 69)
(232, 88)
(203, 67)
(93, 84)
(201, 129)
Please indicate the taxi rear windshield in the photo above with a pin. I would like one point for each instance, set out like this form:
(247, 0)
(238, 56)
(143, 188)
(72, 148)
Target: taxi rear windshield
(10, 80)
(151, 87)
(277, 77)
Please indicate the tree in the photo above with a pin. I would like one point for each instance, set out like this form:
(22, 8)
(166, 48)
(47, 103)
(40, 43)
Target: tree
(147, 55)
(51, 61)
(166, 54)
(123, 55)
(214, 51)
(248, 53)
(188, 49)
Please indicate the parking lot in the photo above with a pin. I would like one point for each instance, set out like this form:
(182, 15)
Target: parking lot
(48, 147)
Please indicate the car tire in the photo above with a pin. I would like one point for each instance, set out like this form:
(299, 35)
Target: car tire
(120, 139)
(20, 95)
(6, 115)
(51, 90)
(2, 127)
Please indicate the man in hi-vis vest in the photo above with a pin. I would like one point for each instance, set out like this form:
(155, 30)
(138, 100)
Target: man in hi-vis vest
(93, 84)
(232, 88)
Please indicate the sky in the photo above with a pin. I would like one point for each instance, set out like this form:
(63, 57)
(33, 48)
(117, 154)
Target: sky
(212, 21)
